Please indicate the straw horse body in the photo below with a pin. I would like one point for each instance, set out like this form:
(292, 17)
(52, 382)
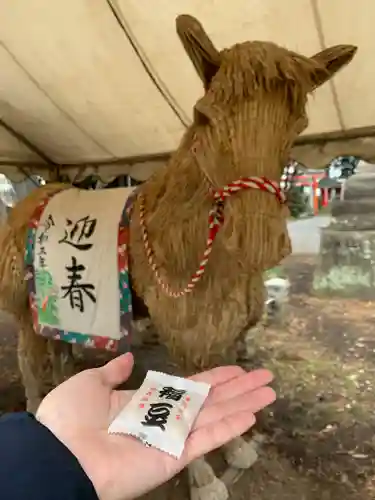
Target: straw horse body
(252, 110)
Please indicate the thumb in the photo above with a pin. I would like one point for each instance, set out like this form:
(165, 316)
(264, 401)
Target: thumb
(118, 370)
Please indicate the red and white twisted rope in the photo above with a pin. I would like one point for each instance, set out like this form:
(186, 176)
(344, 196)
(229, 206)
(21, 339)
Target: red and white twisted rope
(215, 221)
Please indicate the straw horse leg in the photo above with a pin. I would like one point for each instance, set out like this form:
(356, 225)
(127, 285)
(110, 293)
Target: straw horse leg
(62, 361)
(33, 359)
(204, 485)
(43, 364)
(205, 329)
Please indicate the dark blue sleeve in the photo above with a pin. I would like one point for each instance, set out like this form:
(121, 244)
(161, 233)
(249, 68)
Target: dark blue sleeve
(35, 465)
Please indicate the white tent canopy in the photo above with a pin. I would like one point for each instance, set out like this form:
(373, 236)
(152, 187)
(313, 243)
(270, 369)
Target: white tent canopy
(105, 86)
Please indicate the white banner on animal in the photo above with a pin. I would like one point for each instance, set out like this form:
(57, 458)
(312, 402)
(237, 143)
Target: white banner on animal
(76, 243)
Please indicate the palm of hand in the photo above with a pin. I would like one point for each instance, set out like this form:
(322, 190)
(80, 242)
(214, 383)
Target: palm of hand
(80, 410)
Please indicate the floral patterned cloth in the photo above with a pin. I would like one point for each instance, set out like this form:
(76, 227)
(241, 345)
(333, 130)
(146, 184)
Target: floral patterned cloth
(125, 298)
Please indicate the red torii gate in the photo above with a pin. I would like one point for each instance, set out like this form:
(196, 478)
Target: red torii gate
(312, 180)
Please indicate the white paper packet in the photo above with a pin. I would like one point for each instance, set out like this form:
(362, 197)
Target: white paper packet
(162, 412)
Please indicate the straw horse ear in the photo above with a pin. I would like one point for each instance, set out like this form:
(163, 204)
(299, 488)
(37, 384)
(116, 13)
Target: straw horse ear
(330, 61)
(200, 49)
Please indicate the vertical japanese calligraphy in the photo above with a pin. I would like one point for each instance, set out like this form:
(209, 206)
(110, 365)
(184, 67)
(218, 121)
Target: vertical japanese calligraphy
(171, 393)
(43, 238)
(47, 298)
(158, 413)
(77, 235)
(76, 290)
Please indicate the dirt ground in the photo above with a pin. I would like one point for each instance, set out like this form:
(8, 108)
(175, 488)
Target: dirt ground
(320, 434)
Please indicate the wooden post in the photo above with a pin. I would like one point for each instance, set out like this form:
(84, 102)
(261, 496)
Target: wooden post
(314, 187)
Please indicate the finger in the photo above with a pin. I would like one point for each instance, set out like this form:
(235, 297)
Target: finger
(118, 370)
(218, 375)
(251, 401)
(211, 437)
(119, 399)
(214, 376)
(239, 385)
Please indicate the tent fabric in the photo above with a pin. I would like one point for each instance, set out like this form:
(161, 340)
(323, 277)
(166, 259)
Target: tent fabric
(104, 86)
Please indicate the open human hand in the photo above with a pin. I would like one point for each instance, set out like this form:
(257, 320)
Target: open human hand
(80, 410)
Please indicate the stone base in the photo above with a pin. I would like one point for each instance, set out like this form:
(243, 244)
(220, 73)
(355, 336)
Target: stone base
(347, 264)
(358, 215)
